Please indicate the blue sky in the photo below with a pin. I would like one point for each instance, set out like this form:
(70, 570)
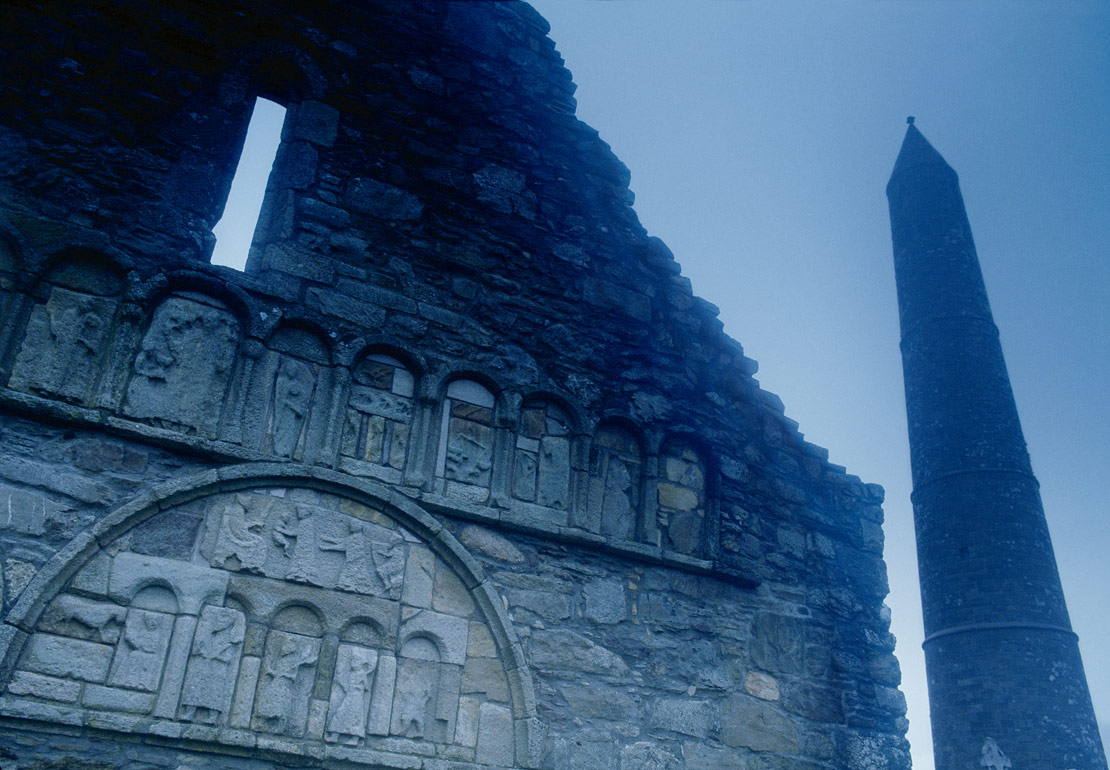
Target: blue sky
(761, 135)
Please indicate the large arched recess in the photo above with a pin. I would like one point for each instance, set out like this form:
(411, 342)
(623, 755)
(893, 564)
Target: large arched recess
(299, 586)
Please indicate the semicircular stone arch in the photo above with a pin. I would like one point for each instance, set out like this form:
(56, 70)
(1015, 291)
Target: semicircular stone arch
(283, 608)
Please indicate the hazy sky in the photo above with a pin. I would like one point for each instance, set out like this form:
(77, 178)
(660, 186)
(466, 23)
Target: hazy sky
(761, 135)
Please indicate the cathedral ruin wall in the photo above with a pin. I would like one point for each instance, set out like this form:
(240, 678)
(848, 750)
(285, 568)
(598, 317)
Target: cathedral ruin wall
(457, 473)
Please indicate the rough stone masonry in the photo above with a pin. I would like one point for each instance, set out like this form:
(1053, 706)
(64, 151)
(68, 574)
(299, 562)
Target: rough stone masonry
(457, 474)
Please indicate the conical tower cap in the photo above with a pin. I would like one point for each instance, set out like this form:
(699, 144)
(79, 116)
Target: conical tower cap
(916, 152)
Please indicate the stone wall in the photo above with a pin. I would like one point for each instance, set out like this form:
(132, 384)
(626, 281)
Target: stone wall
(457, 473)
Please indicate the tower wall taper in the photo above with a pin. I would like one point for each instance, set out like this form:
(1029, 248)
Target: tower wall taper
(1002, 660)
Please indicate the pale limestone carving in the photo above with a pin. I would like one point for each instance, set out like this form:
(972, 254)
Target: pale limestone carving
(213, 665)
(285, 683)
(170, 641)
(80, 618)
(296, 535)
(618, 515)
(542, 469)
(240, 542)
(141, 652)
(379, 412)
(369, 566)
(294, 386)
(183, 367)
(63, 344)
(350, 694)
(991, 756)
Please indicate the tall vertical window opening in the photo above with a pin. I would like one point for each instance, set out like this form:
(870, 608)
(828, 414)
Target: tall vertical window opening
(235, 230)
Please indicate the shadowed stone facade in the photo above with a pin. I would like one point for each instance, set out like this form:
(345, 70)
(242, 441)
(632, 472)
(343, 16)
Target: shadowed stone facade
(458, 473)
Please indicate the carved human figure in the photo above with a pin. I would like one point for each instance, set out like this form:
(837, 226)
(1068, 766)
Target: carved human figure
(350, 694)
(617, 514)
(213, 665)
(278, 690)
(141, 651)
(991, 756)
(370, 566)
(64, 339)
(181, 372)
(293, 390)
(240, 543)
(296, 535)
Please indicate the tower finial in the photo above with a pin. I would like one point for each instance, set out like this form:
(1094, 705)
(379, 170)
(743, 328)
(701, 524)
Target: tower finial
(909, 120)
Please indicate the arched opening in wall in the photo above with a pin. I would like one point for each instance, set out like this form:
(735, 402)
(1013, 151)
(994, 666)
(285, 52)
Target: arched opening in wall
(236, 228)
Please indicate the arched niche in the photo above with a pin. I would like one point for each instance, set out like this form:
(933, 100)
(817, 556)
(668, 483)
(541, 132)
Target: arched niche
(290, 392)
(181, 373)
(304, 616)
(616, 477)
(465, 457)
(69, 332)
(542, 454)
(379, 414)
(682, 505)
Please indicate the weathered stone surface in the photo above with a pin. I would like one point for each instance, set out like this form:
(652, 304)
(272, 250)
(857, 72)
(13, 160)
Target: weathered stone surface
(761, 686)
(489, 543)
(683, 715)
(605, 601)
(752, 724)
(568, 650)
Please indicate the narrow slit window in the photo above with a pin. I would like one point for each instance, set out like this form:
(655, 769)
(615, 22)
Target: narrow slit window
(235, 230)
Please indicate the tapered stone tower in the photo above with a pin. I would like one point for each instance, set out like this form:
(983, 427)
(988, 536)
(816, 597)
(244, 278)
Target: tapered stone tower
(1006, 684)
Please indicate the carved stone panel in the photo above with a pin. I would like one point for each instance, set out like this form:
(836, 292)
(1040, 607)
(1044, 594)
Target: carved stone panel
(541, 472)
(466, 441)
(287, 616)
(64, 344)
(615, 473)
(181, 374)
(379, 413)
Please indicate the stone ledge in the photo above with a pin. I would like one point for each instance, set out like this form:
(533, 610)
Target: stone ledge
(18, 713)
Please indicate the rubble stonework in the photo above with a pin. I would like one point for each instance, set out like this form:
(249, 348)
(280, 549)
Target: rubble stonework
(458, 473)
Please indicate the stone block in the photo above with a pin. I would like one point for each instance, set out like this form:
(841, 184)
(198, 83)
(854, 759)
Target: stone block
(494, 745)
(598, 701)
(678, 498)
(448, 631)
(702, 757)
(762, 686)
(79, 618)
(485, 676)
(23, 510)
(312, 121)
(644, 755)
(605, 601)
(384, 201)
(171, 535)
(419, 577)
(45, 687)
(117, 699)
(449, 595)
(65, 657)
(778, 643)
(562, 649)
(489, 543)
(750, 723)
(466, 725)
(683, 715)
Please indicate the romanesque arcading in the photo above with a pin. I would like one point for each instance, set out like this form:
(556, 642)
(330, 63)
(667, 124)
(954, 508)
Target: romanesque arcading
(1006, 684)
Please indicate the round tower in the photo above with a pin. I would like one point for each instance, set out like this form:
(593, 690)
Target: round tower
(1006, 684)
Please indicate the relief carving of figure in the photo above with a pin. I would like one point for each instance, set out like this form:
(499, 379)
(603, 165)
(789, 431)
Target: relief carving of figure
(350, 700)
(64, 338)
(210, 678)
(240, 543)
(277, 694)
(617, 514)
(991, 756)
(293, 389)
(368, 562)
(296, 535)
(142, 650)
